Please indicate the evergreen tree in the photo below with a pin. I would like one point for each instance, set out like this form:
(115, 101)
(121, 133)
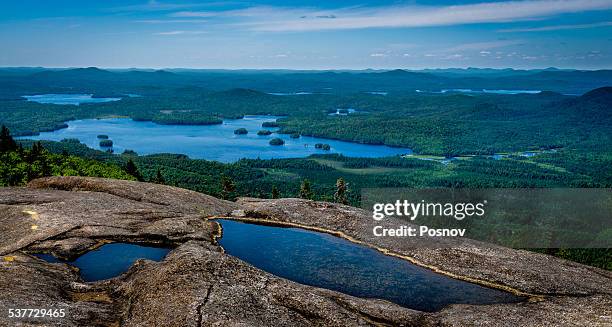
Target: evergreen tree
(130, 168)
(7, 143)
(34, 153)
(341, 191)
(275, 192)
(305, 190)
(159, 178)
(227, 186)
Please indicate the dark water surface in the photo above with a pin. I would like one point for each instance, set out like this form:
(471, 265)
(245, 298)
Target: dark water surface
(326, 261)
(110, 260)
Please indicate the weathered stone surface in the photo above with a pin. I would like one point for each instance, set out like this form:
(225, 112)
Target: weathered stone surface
(217, 289)
(555, 311)
(27, 282)
(524, 271)
(97, 208)
(199, 285)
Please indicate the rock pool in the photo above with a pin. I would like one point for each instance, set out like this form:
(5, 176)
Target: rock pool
(109, 260)
(326, 261)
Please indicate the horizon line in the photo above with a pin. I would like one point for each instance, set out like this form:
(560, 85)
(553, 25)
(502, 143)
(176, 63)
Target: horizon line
(302, 69)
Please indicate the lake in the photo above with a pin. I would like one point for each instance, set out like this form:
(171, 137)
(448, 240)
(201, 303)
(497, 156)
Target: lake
(72, 99)
(507, 92)
(109, 260)
(327, 261)
(211, 142)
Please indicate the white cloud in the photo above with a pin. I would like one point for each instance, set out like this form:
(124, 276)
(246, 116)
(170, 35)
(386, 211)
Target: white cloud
(181, 33)
(378, 55)
(171, 21)
(266, 18)
(453, 56)
(557, 27)
(154, 5)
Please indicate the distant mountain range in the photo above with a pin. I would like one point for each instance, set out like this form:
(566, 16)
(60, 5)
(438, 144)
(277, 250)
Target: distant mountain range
(17, 80)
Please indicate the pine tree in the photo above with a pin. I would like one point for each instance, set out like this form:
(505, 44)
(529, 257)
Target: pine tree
(275, 192)
(130, 168)
(7, 143)
(159, 178)
(341, 190)
(305, 190)
(35, 153)
(227, 186)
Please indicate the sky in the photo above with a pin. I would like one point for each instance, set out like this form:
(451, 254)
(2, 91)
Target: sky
(294, 34)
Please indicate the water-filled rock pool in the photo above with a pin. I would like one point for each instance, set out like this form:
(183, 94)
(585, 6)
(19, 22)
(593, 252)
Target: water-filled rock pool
(110, 260)
(327, 261)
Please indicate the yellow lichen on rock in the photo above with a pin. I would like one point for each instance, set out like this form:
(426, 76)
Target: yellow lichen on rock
(33, 214)
(8, 258)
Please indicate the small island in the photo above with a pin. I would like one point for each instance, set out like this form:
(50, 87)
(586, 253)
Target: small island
(269, 124)
(241, 131)
(103, 137)
(295, 135)
(323, 146)
(276, 141)
(264, 132)
(106, 143)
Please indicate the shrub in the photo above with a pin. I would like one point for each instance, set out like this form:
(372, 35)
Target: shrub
(241, 131)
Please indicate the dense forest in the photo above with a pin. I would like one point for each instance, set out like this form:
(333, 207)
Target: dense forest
(20, 165)
(447, 124)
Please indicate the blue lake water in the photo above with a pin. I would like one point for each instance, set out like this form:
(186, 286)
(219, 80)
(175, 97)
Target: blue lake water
(291, 93)
(339, 113)
(73, 99)
(110, 260)
(326, 261)
(212, 142)
(508, 92)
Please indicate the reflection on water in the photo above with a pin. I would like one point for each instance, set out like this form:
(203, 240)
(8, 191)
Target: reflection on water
(326, 261)
(110, 260)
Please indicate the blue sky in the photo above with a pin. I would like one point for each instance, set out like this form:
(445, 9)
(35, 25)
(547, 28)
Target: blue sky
(293, 34)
